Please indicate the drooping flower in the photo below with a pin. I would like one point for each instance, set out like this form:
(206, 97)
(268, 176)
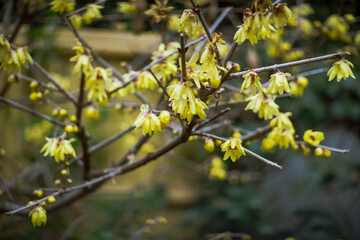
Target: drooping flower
(145, 80)
(281, 15)
(64, 149)
(265, 107)
(76, 20)
(159, 11)
(127, 7)
(297, 87)
(184, 103)
(61, 6)
(282, 121)
(341, 69)
(233, 149)
(209, 65)
(92, 12)
(278, 83)
(96, 83)
(38, 216)
(188, 22)
(313, 138)
(282, 137)
(49, 147)
(167, 67)
(252, 81)
(148, 121)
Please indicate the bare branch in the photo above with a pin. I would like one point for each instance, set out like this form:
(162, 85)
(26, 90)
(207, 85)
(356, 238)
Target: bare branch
(31, 111)
(291, 64)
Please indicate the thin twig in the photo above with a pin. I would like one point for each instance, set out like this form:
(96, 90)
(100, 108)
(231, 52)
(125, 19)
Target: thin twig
(291, 64)
(29, 79)
(57, 85)
(263, 159)
(159, 83)
(333, 149)
(31, 111)
(212, 118)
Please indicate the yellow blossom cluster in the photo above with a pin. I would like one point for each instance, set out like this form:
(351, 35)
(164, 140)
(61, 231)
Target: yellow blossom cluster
(92, 12)
(263, 105)
(313, 137)
(149, 122)
(61, 6)
(167, 67)
(282, 133)
(159, 11)
(13, 59)
(259, 25)
(184, 103)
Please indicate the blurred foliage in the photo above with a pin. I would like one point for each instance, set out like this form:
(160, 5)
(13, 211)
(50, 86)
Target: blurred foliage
(312, 198)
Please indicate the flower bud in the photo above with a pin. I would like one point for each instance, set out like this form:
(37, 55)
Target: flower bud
(35, 96)
(63, 113)
(69, 129)
(64, 172)
(327, 153)
(73, 118)
(51, 199)
(209, 145)
(57, 182)
(164, 118)
(218, 142)
(319, 152)
(38, 193)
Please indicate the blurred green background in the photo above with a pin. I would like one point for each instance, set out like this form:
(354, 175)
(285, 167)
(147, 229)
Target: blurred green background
(311, 198)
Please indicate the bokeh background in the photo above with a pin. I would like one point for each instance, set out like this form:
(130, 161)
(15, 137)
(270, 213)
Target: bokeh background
(311, 198)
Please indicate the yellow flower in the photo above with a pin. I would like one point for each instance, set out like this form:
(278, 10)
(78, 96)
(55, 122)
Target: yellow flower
(280, 15)
(218, 170)
(252, 81)
(96, 83)
(209, 65)
(159, 11)
(164, 118)
(38, 216)
(278, 83)
(49, 147)
(147, 120)
(188, 22)
(341, 69)
(64, 149)
(167, 67)
(145, 80)
(184, 103)
(313, 138)
(337, 27)
(127, 7)
(83, 64)
(282, 121)
(92, 112)
(282, 137)
(193, 71)
(265, 107)
(92, 11)
(209, 145)
(233, 149)
(76, 20)
(297, 86)
(60, 6)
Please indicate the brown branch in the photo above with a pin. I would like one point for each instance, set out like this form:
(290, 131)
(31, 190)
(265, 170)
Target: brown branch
(212, 118)
(197, 10)
(160, 83)
(182, 50)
